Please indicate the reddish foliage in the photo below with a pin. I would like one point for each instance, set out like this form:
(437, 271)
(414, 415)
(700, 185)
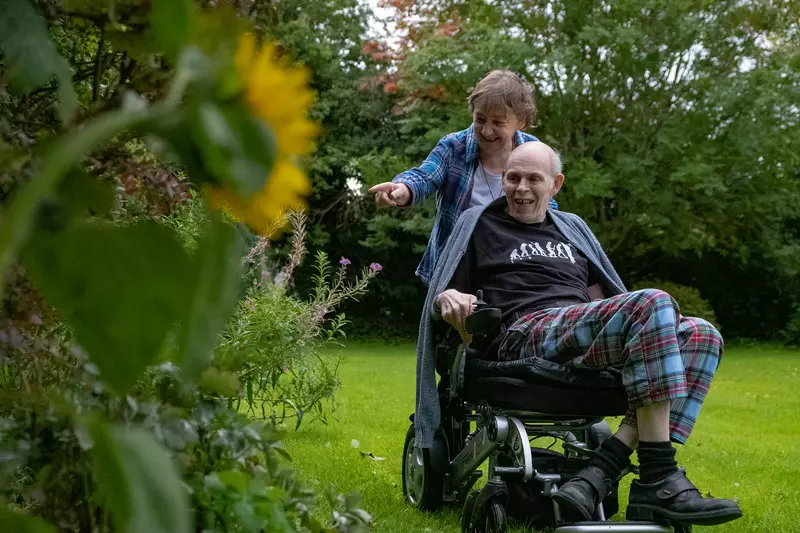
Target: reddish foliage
(161, 188)
(448, 29)
(377, 51)
(390, 87)
(402, 5)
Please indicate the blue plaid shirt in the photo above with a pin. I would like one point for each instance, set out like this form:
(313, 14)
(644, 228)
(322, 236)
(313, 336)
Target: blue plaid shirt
(448, 172)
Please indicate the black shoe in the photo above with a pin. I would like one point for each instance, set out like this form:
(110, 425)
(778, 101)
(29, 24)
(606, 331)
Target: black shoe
(579, 497)
(676, 499)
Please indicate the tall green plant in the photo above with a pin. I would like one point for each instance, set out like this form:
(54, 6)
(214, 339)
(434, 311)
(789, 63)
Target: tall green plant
(274, 343)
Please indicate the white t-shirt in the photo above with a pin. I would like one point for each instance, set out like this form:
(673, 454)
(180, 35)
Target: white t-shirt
(486, 186)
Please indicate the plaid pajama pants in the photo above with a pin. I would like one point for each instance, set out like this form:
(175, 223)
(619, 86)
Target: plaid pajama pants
(662, 355)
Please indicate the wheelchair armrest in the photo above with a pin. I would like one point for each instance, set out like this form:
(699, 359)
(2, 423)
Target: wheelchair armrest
(484, 321)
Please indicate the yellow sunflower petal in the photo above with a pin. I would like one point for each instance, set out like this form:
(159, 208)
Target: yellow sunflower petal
(277, 93)
(285, 189)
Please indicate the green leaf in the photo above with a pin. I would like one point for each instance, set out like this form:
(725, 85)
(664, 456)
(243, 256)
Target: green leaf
(83, 194)
(237, 480)
(110, 471)
(19, 523)
(120, 288)
(237, 149)
(215, 290)
(137, 44)
(142, 487)
(224, 383)
(30, 56)
(172, 22)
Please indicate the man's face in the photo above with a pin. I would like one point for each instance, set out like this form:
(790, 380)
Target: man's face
(529, 183)
(494, 128)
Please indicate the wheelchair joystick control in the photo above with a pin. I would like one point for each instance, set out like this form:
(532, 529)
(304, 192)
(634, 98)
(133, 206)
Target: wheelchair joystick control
(484, 320)
(479, 303)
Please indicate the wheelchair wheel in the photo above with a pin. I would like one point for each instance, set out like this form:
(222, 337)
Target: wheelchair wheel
(492, 520)
(423, 487)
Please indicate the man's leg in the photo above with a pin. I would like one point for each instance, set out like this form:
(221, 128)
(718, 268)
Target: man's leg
(664, 361)
(701, 349)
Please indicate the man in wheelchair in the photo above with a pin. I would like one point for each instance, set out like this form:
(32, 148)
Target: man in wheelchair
(563, 304)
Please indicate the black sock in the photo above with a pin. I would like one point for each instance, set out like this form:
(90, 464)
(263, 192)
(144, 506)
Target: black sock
(656, 461)
(612, 457)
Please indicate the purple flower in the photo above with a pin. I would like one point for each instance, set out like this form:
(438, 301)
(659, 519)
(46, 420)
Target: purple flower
(344, 261)
(376, 267)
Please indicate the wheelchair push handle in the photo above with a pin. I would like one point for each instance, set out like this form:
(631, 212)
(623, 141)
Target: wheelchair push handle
(484, 320)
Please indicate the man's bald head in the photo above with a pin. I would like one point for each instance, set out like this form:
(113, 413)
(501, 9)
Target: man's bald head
(538, 151)
(532, 176)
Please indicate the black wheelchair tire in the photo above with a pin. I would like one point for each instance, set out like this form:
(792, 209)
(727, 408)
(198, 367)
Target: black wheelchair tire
(466, 513)
(494, 519)
(426, 494)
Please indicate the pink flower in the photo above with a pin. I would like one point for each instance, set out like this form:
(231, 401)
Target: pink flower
(376, 267)
(344, 261)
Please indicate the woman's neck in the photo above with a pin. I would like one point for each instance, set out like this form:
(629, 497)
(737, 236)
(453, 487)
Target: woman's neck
(494, 162)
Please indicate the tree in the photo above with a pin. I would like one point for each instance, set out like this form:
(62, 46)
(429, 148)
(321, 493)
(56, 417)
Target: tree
(676, 121)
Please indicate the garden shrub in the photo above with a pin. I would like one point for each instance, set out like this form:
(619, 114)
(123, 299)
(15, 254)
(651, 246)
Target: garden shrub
(269, 360)
(791, 332)
(129, 199)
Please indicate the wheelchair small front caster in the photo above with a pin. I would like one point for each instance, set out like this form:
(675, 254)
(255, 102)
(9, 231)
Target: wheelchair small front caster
(492, 520)
(681, 528)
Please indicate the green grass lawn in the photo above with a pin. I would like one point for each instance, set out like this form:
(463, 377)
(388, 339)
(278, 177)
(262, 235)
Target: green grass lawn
(746, 444)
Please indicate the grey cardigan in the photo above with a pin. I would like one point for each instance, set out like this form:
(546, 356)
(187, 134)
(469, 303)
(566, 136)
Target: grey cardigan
(576, 231)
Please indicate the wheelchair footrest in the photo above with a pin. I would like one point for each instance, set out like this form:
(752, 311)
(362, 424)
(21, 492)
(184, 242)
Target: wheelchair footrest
(614, 527)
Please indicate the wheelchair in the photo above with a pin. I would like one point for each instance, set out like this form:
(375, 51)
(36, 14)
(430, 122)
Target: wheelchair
(488, 413)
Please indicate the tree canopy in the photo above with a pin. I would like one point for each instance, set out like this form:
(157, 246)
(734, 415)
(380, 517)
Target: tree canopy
(677, 121)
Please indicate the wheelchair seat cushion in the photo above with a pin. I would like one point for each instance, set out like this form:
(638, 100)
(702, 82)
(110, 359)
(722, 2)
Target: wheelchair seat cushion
(545, 396)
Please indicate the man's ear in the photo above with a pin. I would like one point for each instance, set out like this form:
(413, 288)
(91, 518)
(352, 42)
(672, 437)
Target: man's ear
(559, 181)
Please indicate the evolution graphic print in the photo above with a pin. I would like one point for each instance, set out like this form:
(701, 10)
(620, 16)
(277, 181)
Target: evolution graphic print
(557, 250)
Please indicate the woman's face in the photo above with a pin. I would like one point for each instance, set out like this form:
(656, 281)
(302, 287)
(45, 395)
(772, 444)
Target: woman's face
(495, 128)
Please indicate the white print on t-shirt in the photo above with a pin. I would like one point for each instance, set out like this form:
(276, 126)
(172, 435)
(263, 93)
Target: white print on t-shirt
(529, 249)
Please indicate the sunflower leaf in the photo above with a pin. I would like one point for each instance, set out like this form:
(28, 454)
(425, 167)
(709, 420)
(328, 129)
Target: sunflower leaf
(142, 487)
(20, 523)
(215, 290)
(172, 22)
(30, 56)
(104, 283)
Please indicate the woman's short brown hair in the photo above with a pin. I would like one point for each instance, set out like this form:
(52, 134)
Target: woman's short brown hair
(503, 89)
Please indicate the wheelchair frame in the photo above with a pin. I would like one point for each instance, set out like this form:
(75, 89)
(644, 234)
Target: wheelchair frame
(447, 472)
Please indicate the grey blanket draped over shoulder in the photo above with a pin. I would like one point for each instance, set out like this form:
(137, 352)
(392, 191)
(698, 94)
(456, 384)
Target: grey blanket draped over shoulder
(576, 231)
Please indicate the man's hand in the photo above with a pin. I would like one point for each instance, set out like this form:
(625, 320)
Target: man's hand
(455, 308)
(391, 194)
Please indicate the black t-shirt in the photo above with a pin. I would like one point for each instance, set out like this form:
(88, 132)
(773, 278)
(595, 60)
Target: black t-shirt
(522, 267)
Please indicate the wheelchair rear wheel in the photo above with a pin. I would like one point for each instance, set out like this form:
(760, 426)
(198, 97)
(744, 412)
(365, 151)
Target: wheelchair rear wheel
(423, 487)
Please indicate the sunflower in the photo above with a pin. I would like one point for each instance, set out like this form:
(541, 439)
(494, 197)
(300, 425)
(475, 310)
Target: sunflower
(278, 94)
(264, 212)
